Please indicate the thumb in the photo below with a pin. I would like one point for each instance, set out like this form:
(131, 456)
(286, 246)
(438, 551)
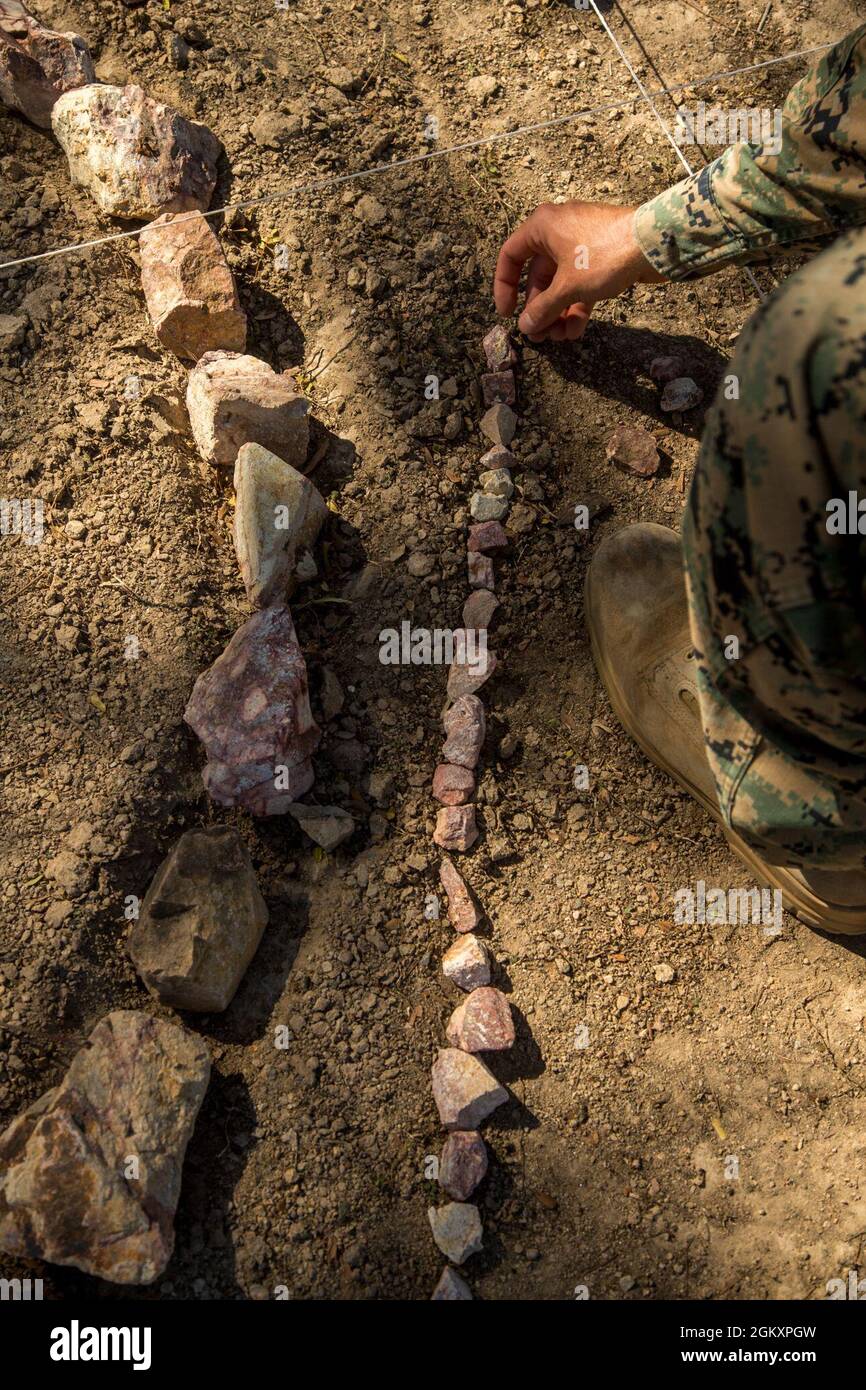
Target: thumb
(546, 307)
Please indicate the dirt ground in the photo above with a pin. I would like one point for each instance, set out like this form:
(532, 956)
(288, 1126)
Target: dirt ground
(612, 1165)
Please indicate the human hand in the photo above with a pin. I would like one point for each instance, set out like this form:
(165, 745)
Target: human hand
(578, 253)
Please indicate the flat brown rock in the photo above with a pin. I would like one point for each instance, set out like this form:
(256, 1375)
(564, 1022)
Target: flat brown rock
(189, 289)
(91, 1172)
(466, 963)
(200, 923)
(234, 399)
(453, 785)
(464, 1089)
(456, 828)
(465, 729)
(482, 1023)
(633, 449)
(463, 913)
(463, 1164)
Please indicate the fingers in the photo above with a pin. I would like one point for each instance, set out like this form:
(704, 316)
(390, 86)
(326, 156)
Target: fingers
(546, 306)
(522, 244)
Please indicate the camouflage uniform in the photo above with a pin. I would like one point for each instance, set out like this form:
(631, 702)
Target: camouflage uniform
(785, 720)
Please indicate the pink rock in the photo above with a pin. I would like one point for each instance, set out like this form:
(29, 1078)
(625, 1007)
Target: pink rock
(251, 710)
(466, 963)
(665, 369)
(463, 913)
(498, 349)
(451, 1288)
(487, 536)
(464, 1089)
(456, 828)
(482, 1023)
(189, 289)
(38, 64)
(498, 386)
(633, 448)
(235, 399)
(463, 1163)
(465, 677)
(137, 157)
(480, 569)
(479, 608)
(465, 727)
(453, 785)
(497, 457)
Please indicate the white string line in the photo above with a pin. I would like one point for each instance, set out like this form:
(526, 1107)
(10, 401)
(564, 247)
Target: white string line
(333, 181)
(662, 122)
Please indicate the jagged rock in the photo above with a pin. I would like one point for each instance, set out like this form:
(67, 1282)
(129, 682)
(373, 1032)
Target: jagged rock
(633, 448)
(188, 287)
(482, 1023)
(498, 349)
(681, 394)
(465, 727)
(466, 963)
(498, 386)
(497, 457)
(463, 913)
(485, 537)
(665, 369)
(278, 515)
(479, 570)
(499, 424)
(456, 828)
(453, 785)
(200, 923)
(497, 482)
(464, 1089)
(485, 507)
(234, 399)
(451, 1288)
(329, 826)
(37, 64)
(465, 677)
(457, 1230)
(136, 157)
(13, 328)
(463, 1163)
(251, 710)
(478, 610)
(91, 1172)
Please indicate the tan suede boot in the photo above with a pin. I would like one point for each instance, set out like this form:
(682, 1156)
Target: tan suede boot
(637, 616)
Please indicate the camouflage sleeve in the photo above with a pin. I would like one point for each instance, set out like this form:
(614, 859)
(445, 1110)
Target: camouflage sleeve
(798, 187)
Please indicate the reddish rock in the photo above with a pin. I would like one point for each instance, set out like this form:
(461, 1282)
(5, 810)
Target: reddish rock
(463, 912)
(465, 677)
(465, 727)
(634, 449)
(464, 1089)
(451, 1288)
(251, 711)
(498, 349)
(189, 289)
(234, 399)
(498, 386)
(487, 536)
(456, 828)
(453, 785)
(665, 369)
(480, 568)
(90, 1174)
(136, 157)
(497, 457)
(478, 609)
(463, 1163)
(466, 963)
(37, 64)
(482, 1023)
(499, 424)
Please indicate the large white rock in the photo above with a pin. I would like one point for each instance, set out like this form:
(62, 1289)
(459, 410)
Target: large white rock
(136, 157)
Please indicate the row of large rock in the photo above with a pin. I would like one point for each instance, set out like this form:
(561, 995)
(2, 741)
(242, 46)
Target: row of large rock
(465, 1090)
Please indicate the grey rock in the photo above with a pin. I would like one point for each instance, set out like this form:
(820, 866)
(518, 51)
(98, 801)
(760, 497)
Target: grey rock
(457, 1230)
(278, 514)
(328, 826)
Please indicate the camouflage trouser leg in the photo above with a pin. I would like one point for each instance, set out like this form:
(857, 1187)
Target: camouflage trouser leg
(776, 589)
